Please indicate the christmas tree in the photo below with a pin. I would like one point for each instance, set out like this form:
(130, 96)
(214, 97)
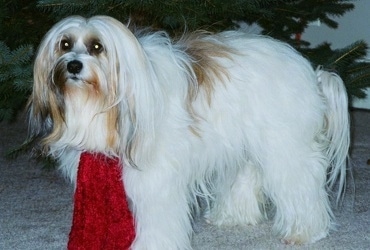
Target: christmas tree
(282, 19)
(22, 26)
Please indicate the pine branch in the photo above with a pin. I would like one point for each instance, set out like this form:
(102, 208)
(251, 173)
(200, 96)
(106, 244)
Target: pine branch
(350, 54)
(172, 16)
(349, 62)
(15, 79)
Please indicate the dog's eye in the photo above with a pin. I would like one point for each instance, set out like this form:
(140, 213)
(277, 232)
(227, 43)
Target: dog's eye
(96, 48)
(65, 45)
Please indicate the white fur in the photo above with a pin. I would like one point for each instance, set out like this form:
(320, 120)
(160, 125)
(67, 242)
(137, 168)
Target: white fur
(268, 127)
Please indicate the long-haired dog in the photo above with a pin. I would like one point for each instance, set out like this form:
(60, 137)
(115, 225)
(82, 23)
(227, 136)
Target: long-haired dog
(238, 119)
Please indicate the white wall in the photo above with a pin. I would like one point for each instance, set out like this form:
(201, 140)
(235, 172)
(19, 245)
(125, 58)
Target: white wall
(353, 26)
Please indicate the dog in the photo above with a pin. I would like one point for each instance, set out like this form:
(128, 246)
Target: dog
(240, 120)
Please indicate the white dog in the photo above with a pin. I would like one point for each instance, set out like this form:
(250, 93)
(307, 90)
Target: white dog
(235, 118)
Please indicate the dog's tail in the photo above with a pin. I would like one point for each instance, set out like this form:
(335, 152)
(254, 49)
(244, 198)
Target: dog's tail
(337, 126)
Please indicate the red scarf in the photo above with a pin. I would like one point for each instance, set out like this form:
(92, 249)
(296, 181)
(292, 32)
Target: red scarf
(101, 217)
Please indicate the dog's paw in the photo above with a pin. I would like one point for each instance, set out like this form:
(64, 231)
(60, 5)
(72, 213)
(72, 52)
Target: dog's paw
(302, 239)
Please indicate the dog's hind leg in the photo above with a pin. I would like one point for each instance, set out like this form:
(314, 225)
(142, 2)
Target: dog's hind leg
(295, 179)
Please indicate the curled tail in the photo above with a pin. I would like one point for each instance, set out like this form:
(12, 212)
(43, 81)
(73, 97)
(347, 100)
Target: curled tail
(337, 126)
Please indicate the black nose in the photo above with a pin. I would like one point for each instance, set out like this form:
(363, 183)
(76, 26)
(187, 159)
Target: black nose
(74, 67)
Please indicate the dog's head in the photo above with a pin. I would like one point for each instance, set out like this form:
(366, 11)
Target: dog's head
(84, 77)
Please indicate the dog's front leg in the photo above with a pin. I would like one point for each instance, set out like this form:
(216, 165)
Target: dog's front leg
(159, 201)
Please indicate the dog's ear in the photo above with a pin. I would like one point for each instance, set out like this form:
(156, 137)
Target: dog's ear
(46, 103)
(40, 122)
